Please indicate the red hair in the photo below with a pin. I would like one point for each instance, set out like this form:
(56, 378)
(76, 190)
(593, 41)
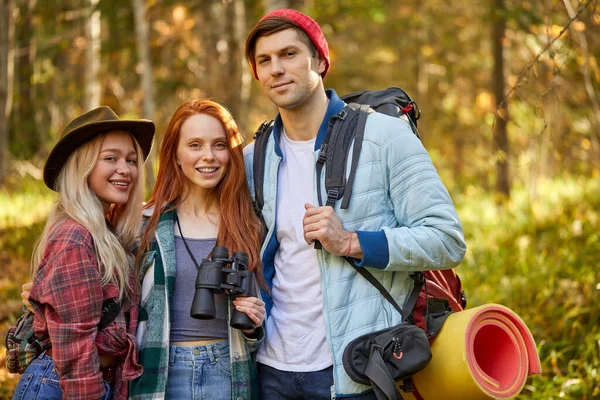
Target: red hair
(239, 227)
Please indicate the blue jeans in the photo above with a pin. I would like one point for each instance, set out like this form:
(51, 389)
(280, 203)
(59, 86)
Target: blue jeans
(40, 382)
(285, 385)
(199, 372)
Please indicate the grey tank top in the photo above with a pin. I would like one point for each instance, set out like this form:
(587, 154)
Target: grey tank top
(183, 327)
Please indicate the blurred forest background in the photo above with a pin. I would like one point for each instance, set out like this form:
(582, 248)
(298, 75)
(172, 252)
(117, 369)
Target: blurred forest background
(510, 115)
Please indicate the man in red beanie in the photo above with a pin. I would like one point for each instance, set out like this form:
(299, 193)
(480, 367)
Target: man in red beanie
(401, 218)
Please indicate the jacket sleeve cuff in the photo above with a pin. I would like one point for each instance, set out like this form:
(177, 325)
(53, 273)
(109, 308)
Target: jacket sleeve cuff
(375, 250)
(255, 340)
(257, 334)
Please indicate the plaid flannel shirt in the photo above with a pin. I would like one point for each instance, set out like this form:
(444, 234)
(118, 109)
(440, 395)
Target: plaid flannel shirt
(67, 296)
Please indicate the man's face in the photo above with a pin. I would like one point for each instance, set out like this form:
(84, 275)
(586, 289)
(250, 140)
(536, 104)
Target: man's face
(286, 69)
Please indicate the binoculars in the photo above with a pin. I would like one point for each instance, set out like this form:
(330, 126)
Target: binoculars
(214, 277)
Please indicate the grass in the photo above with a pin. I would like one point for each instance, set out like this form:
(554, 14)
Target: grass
(538, 257)
(541, 259)
(24, 204)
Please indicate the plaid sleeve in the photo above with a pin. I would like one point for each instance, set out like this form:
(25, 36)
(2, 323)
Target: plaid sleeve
(71, 294)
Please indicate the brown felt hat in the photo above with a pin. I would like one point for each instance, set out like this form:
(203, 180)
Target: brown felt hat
(86, 127)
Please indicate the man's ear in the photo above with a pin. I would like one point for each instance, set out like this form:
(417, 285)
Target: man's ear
(322, 64)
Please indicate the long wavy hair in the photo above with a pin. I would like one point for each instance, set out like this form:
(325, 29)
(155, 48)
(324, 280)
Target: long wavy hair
(239, 228)
(114, 233)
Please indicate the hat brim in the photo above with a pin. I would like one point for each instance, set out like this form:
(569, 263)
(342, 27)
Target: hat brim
(141, 129)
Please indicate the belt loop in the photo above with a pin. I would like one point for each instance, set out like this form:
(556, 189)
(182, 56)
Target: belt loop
(172, 350)
(210, 351)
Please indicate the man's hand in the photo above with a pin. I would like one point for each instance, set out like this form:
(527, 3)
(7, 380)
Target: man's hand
(26, 289)
(324, 225)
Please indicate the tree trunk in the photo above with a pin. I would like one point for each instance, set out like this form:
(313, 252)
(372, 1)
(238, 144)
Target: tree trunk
(421, 72)
(207, 31)
(229, 76)
(6, 32)
(225, 44)
(271, 5)
(142, 33)
(587, 79)
(24, 136)
(93, 29)
(242, 72)
(498, 82)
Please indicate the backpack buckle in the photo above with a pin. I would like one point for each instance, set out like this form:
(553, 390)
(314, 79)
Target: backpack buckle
(323, 153)
(262, 128)
(418, 277)
(38, 348)
(407, 109)
(332, 196)
(407, 386)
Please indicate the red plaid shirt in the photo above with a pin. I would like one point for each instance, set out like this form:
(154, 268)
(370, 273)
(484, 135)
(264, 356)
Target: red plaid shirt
(67, 297)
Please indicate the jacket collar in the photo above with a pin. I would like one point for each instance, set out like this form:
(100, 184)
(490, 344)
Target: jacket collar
(147, 212)
(335, 106)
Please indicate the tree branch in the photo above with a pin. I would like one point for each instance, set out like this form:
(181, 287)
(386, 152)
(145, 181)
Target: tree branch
(533, 62)
(585, 71)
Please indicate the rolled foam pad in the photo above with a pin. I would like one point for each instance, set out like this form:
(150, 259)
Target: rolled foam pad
(481, 353)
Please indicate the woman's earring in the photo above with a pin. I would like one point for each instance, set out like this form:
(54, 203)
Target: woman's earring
(178, 163)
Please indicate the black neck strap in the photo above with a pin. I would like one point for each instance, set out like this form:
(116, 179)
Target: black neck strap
(185, 243)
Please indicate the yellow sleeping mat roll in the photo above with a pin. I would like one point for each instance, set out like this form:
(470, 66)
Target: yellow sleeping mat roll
(481, 353)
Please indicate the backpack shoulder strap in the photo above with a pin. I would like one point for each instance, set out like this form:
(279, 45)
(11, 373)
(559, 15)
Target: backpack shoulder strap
(334, 152)
(412, 298)
(258, 169)
(327, 148)
(348, 125)
(363, 113)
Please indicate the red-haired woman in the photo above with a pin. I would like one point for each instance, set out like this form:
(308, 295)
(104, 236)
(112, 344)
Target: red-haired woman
(201, 199)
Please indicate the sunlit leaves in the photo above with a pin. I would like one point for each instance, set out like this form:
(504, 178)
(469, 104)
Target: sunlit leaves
(540, 257)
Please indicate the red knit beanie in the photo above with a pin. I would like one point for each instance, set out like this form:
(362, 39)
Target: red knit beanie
(309, 26)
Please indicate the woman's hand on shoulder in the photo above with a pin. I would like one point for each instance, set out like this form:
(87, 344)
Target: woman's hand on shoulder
(26, 290)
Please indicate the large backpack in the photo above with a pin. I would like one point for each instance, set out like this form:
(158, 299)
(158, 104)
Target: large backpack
(439, 292)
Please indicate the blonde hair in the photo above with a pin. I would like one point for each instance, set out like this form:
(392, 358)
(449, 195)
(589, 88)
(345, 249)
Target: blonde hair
(114, 234)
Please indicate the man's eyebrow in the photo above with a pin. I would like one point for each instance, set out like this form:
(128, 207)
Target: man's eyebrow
(287, 48)
(260, 55)
(280, 51)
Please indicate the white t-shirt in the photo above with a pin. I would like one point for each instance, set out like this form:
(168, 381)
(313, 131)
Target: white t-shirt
(295, 328)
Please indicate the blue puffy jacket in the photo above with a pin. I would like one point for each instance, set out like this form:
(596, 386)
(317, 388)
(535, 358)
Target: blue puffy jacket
(405, 220)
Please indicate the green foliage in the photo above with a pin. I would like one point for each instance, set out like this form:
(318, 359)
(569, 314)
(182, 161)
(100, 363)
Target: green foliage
(23, 210)
(540, 259)
(24, 205)
(20, 240)
(24, 201)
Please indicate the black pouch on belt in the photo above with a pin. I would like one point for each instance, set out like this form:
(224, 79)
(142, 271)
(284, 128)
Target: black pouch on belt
(383, 357)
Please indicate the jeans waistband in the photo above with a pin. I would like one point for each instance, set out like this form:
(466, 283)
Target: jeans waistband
(211, 351)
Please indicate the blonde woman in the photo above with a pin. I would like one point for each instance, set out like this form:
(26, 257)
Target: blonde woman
(83, 263)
